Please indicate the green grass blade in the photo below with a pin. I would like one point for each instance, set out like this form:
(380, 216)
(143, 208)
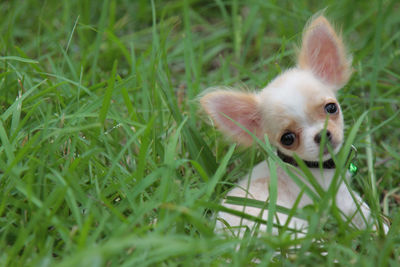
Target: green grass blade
(107, 96)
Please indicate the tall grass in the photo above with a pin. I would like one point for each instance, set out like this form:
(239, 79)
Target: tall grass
(105, 159)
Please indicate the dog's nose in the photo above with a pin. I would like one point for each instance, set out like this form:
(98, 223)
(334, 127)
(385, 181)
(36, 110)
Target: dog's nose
(318, 137)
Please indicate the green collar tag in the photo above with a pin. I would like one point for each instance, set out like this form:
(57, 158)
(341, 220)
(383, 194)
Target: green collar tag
(353, 169)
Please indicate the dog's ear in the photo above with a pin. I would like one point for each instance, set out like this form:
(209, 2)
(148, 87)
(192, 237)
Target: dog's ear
(323, 52)
(229, 108)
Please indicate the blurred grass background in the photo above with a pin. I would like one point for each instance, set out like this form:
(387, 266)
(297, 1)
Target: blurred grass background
(105, 159)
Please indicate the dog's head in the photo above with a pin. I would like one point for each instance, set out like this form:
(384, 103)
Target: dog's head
(294, 108)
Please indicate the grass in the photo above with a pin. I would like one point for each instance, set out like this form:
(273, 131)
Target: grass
(105, 159)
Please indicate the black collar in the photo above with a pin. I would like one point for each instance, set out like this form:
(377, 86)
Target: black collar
(328, 164)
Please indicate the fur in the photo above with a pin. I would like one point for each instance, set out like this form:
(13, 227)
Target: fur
(295, 102)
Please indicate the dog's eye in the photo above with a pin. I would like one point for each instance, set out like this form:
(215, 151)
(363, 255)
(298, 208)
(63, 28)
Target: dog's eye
(288, 138)
(331, 108)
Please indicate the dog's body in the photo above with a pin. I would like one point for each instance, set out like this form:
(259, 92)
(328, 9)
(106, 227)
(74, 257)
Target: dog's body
(292, 111)
(288, 191)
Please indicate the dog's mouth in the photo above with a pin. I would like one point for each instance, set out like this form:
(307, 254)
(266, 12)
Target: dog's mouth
(329, 147)
(326, 152)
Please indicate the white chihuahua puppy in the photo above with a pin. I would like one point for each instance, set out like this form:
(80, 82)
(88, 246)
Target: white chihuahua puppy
(292, 111)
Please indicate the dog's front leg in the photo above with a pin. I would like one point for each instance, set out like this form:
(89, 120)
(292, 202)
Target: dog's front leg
(355, 208)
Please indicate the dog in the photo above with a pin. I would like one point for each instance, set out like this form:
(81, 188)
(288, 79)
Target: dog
(296, 111)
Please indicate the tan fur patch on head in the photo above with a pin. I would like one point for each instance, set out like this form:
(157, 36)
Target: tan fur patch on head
(315, 110)
(292, 127)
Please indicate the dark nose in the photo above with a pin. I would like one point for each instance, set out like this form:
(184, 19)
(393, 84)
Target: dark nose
(318, 137)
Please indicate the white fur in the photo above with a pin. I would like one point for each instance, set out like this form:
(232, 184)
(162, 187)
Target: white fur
(293, 102)
(287, 93)
(288, 191)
